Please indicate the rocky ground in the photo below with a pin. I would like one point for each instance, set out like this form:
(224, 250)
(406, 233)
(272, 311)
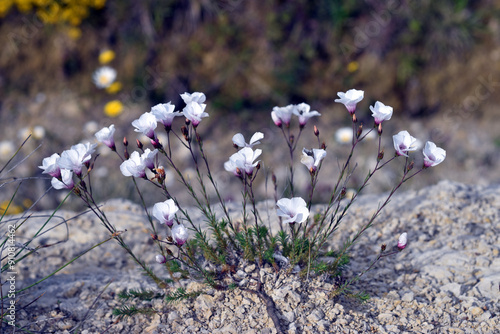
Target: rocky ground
(445, 281)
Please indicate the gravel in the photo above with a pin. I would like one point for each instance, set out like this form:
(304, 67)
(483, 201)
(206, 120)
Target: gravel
(445, 281)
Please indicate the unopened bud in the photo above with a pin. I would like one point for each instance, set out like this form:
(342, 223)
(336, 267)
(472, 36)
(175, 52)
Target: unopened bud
(139, 144)
(125, 153)
(379, 129)
(380, 155)
(258, 166)
(360, 130)
(383, 247)
(125, 141)
(343, 192)
(316, 131)
(185, 132)
(187, 121)
(160, 259)
(154, 236)
(410, 166)
(169, 239)
(354, 119)
(156, 144)
(323, 146)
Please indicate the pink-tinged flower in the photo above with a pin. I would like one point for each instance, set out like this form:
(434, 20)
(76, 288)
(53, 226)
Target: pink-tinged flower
(66, 181)
(381, 112)
(165, 212)
(244, 159)
(194, 112)
(350, 99)
(74, 158)
(146, 124)
(50, 166)
(239, 140)
(134, 166)
(105, 136)
(302, 110)
(403, 239)
(179, 234)
(404, 143)
(194, 97)
(312, 158)
(165, 113)
(282, 115)
(148, 158)
(160, 259)
(293, 210)
(104, 76)
(433, 155)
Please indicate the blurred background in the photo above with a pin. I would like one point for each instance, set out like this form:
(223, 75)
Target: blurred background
(437, 63)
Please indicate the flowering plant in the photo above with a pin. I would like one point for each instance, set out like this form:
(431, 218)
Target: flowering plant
(187, 250)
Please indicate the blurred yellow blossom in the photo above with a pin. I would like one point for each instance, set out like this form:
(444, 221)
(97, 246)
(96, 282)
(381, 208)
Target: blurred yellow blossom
(113, 108)
(114, 88)
(74, 32)
(353, 66)
(106, 56)
(11, 209)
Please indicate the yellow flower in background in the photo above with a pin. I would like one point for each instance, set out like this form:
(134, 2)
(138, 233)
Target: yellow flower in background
(74, 33)
(353, 66)
(10, 209)
(27, 203)
(114, 88)
(5, 6)
(113, 108)
(106, 56)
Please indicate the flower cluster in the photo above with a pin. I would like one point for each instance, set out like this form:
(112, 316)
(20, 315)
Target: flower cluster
(62, 167)
(283, 115)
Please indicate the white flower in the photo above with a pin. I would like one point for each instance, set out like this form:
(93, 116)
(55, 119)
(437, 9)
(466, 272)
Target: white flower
(194, 97)
(66, 181)
(302, 110)
(381, 112)
(134, 166)
(165, 212)
(194, 112)
(403, 143)
(105, 136)
(160, 259)
(164, 113)
(146, 124)
(293, 210)
(231, 167)
(50, 166)
(38, 132)
(244, 160)
(402, 241)
(104, 76)
(74, 158)
(239, 140)
(282, 115)
(148, 158)
(7, 149)
(312, 158)
(433, 155)
(179, 234)
(350, 99)
(344, 135)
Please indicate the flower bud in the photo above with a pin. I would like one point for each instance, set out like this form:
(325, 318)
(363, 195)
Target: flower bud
(410, 166)
(323, 146)
(343, 192)
(156, 144)
(316, 131)
(160, 259)
(354, 119)
(139, 144)
(185, 132)
(125, 154)
(258, 166)
(360, 130)
(383, 247)
(125, 141)
(402, 241)
(379, 129)
(380, 155)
